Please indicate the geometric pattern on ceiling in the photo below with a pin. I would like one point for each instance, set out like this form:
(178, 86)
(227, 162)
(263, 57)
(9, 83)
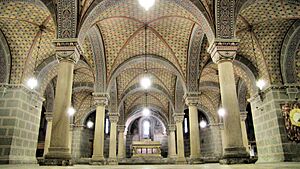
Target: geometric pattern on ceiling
(122, 27)
(20, 22)
(269, 31)
(88, 53)
(82, 101)
(139, 99)
(159, 74)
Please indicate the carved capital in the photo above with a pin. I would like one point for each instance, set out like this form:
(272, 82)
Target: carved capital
(178, 117)
(49, 116)
(113, 117)
(172, 128)
(243, 115)
(101, 99)
(192, 99)
(67, 50)
(121, 128)
(223, 50)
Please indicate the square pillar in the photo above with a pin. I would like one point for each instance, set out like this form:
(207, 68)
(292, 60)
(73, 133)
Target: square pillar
(20, 113)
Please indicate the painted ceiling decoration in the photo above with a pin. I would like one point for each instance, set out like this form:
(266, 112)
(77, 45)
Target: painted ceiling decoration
(112, 37)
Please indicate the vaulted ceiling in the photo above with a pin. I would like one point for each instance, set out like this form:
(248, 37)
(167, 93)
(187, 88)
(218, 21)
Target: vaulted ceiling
(169, 32)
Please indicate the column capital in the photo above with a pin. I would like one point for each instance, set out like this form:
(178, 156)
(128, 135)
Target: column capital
(172, 127)
(113, 117)
(192, 98)
(121, 128)
(223, 49)
(67, 50)
(48, 116)
(178, 117)
(101, 99)
(243, 115)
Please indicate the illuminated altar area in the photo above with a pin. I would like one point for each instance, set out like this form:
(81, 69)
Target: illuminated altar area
(146, 148)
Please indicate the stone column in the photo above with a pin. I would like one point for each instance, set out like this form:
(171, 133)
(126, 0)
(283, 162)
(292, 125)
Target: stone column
(71, 138)
(192, 102)
(113, 118)
(48, 132)
(223, 53)
(172, 142)
(98, 146)
(67, 53)
(121, 143)
(244, 130)
(178, 118)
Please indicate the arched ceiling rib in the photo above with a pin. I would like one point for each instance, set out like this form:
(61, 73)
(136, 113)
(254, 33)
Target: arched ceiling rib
(20, 22)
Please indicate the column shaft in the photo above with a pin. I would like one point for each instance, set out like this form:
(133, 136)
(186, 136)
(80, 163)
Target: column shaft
(48, 136)
(59, 144)
(113, 139)
(244, 130)
(121, 144)
(172, 144)
(180, 142)
(194, 132)
(223, 52)
(232, 125)
(99, 134)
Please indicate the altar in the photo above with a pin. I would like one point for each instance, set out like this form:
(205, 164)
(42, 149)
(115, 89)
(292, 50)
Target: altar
(146, 148)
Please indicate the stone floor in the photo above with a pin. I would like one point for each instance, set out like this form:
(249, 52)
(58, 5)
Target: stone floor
(203, 166)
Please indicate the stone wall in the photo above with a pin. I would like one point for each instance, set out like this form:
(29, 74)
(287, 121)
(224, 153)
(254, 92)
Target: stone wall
(272, 142)
(20, 112)
(211, 143)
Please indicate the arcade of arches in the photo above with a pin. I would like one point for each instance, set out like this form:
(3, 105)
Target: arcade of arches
(70, 90)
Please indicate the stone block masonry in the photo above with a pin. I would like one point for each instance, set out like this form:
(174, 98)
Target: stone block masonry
(271, 138)
(20, 112)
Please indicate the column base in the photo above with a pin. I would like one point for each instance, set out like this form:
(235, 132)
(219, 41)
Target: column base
(57, 156)
(172, 159)
(196, 160)
(180, 160)
(235, 155)
(56, 162)
(98, 160)
(112, 161)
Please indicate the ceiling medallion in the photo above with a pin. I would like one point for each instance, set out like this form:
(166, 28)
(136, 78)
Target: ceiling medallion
(291, 114)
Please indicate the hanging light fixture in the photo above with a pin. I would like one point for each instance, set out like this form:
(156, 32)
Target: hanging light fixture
(260, 83)
(71, 111)
(203, 123)
(221, 112)
(146, 110)
(146, 4)
(145, 81)
(89, 124)
(32, 82)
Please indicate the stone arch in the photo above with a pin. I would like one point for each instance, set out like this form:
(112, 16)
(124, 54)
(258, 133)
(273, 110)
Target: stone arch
(140, 59)
(288, 54)
(194, 52)
(209, 115)
(137, 88)
(252, 74)
(46, 71)
(5, 59)
(242, 95)
(136, 113)
(99, 58)
(49, 96)
(83, 86)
